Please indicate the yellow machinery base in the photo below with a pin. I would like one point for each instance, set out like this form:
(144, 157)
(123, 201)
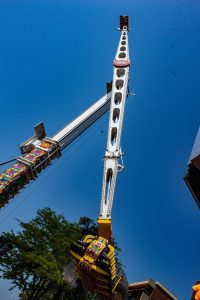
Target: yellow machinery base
(95, 263)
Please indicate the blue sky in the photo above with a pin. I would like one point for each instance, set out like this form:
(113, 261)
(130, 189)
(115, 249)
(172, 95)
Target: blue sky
(55, 58)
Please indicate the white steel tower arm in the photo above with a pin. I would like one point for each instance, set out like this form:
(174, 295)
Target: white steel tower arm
(77, 126)
(113, 151)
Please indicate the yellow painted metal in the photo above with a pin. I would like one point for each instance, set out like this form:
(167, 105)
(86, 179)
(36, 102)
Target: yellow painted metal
(105, 228)
(88, 238)
(96, 267)
(118, 281)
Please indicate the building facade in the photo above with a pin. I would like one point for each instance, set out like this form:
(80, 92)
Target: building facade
(149, 290)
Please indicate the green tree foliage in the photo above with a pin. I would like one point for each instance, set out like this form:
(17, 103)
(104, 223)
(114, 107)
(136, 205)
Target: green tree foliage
(87, 225)
(40, 252)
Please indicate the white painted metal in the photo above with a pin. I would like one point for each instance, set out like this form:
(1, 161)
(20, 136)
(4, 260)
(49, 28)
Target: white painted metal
(118, 99)
(77, 126)
(73, 129)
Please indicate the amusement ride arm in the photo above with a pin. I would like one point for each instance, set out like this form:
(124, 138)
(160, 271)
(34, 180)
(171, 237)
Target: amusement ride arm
(113, 154)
